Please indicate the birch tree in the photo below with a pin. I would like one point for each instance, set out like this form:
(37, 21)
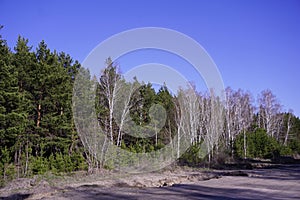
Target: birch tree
(214, 128)
(246, 116)
(269, 112)
(109, 89)
(191, 106)
(229, 118)
(289, 124)
(123, 106)
(187, 118)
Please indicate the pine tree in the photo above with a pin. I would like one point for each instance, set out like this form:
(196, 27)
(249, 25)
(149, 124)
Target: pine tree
(12, 119)
(23, 61)
(165, 98)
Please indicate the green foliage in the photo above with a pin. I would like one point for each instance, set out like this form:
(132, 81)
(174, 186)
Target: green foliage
(285, 150)
(59, 163)
(258, 145)
(78, 161)
(62, 163)
(294, 145)
(35, 111)
(193, 156)
(7, 169)
(39, 165)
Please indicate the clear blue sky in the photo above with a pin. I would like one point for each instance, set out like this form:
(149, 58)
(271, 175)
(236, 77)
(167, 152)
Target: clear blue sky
(255, 44)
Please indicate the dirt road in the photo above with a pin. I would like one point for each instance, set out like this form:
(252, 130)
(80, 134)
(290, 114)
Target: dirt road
(277, 183)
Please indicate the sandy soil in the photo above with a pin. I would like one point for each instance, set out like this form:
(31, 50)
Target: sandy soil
(277, 183)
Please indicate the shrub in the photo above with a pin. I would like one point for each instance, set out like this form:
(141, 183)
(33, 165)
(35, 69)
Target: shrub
(259, 145)
(192, 157)
(285, 151)
(294, 145)
(39, 165)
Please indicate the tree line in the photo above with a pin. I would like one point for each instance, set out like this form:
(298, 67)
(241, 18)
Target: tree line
(238, 124)
(38, 133)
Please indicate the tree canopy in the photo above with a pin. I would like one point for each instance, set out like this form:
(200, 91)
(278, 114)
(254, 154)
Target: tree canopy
(38, 134)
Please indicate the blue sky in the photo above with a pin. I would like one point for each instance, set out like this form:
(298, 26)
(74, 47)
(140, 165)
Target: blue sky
(255, 44)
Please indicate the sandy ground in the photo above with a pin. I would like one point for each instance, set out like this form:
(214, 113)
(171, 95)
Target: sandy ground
(277, 183)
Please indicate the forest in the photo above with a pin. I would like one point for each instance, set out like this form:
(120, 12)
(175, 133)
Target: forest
(38, 133)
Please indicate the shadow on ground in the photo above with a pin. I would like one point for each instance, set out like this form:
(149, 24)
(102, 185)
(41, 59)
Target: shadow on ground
(16, 197)
(180, 191)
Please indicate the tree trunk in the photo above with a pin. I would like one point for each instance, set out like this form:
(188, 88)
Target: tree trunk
(288, 130)
(27, 158)
(178, 142)
(39, 115)
(155, 135)
(245, 145)
(111, 124)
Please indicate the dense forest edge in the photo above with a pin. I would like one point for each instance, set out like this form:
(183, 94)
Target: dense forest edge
(38, 133)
